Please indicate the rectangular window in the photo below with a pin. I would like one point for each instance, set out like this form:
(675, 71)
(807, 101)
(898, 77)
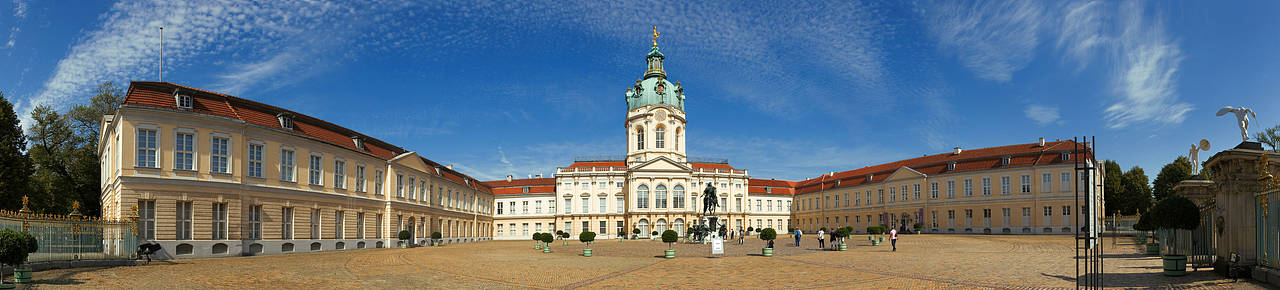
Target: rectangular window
(147, 219)
(410, 190)
(933, 190)
(377, 182)
(399, 185)
(968, 187)
(1004, 185)
(286, 223)
(880, 197)
(524, 207)
(184, 151)
(1026, 183)
(339, 174)
(315, 170)
(499, 208)
(147, 149)
(286, 165)
(360, 178)
(1064, 183)
(255, 160)
(951, 214)
(893, 194)
(1066, 210)
(360, 225)
(760, 205)
(986, 186)
(568, 205)
(219, 221)
(1046, 182)
(255, 222)
(537, 208)
(619, 201)
(951, 189)
(338, 224)
(604, 205)
(1026, 211)
(315, 224)
(218, 155)
(499, 230)
(183, 223)
(585, 205)
(377, 226)
(603, 227)
(422, 190)
(915, 192)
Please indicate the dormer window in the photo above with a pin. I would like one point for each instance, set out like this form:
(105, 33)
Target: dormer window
(359, 142)
(286, 120)
(768, 190)
(1066, 156)
(183, 101)
(869, 176)
(1005, 161)
(526, 189)
(951, 166)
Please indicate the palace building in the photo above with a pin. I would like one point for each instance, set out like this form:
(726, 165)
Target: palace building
(209, 174)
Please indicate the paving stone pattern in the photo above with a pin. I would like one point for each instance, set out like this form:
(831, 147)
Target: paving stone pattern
(921, 262)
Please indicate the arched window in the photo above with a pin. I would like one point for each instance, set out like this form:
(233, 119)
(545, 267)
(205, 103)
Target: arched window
(643, 225)
(642, 196)
(639, 138)
(679, 131)
(678, 196)
(661, 226)
(678, 225)
(660, 196)
(660, 137)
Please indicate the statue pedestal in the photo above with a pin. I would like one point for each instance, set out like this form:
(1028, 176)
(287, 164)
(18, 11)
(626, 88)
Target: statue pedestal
(713, 226)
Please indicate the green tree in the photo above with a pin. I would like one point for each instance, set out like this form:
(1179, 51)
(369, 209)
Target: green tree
(64, 149)
(1170, 175)
(15, 164)
(1269, 136)
(1137, 191)
(1113, 193)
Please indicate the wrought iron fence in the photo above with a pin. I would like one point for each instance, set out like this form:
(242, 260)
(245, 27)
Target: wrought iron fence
(1268, 228)
(73, 236)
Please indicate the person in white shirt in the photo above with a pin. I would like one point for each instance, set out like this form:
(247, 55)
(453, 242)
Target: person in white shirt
(820, 242)
(893, 239)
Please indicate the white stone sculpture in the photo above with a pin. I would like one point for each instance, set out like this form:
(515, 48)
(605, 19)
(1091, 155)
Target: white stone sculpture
(1242, 119)
(1195, 155)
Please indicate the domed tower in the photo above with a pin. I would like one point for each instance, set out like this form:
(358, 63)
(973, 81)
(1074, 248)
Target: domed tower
(655, 113)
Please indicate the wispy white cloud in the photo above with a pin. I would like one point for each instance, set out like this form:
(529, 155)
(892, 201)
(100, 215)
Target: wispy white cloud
(766, 157)
(993, 39)
(1081, 31)
(1043, 115)
(19, 14)
(1146, 72)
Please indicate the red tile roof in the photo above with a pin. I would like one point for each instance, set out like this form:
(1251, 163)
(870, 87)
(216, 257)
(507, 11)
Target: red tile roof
(160, 95)
(710, 165)
(521, 182)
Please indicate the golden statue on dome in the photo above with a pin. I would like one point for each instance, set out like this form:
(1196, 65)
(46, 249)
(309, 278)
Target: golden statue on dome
(655, 35)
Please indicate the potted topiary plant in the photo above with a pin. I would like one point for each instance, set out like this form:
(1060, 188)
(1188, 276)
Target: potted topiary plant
(435, 239)
(15, 246)
(587, 237)
(537, 238)
(669, 237)
(403, 236)
(564, 239)
(750, 229)
(547, 238)
(1172, 214)
(917, 227)
(768, 234)
(654, 235)
(840, 234)
(635, 233)
(1145, 224)
(622, 236)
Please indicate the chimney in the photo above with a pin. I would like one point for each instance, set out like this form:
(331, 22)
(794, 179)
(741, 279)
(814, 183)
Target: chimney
(508, 177)
(1041, 141)
(832, 173)
(957, 152)
(538, 176)
(450, 166)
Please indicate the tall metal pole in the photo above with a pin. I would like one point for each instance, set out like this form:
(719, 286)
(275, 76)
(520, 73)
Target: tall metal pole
(161, 70)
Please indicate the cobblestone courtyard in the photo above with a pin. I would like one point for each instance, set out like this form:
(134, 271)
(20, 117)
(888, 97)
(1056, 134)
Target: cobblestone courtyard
(924, 261)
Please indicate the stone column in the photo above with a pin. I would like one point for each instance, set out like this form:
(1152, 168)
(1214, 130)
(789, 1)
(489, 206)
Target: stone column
(1233, 182)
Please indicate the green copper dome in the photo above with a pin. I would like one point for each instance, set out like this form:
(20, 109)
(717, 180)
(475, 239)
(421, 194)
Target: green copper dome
(654, 88)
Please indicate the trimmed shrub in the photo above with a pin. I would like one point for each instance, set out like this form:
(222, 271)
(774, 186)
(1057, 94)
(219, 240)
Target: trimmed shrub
(768, 234)
(669, 237)
(15, 246)
(436, 236)
(587, 237)
(403, 235)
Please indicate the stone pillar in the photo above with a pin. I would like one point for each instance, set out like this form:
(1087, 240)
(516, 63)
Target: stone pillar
(1233, 182)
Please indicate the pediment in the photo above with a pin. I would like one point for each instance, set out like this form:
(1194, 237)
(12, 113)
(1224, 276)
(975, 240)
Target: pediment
(904, 173)
(662, 163)
(411, 160)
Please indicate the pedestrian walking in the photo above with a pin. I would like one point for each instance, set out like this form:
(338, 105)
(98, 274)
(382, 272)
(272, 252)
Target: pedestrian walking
(893, 239)
(741, 236)
(820, 236)
(797, 235)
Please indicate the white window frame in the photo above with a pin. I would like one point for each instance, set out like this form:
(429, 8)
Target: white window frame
(951, 189)
(399, 185)
(183, 157)
(360, 176)
(255, 222)
(411, 187)
(288, 164)
(1064, 183)
(986, 186)
(315, 224)
(255, 158)
(968, 187)
(185, 102)
(1026, 183)
(148, 146)
(182, 224)
(377, 181)
(220, 221)
(933, 190)
(339, 224)
(286, 223)
(1004, 185)
(339, 173)
(360, 225)
(1046, 182)
(315, 169)
(219, 162)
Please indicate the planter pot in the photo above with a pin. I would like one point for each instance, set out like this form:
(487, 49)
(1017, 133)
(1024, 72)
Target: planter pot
(875, 242)
(537, 246)
(404, 245)
(564, 243)
(844, 247)
(435, 243)
(881, 239)
(870, 238)
(767, 252)
(1175, 265)
(546, 249)
(22, 274)
(586, 252)
(669, 254)
(7, 285)
(1153, 249)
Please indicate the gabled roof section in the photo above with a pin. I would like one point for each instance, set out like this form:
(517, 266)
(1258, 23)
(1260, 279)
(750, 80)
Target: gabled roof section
(903, 172)
(661, 161)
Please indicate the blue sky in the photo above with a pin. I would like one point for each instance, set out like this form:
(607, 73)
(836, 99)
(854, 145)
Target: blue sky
(786, 91)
